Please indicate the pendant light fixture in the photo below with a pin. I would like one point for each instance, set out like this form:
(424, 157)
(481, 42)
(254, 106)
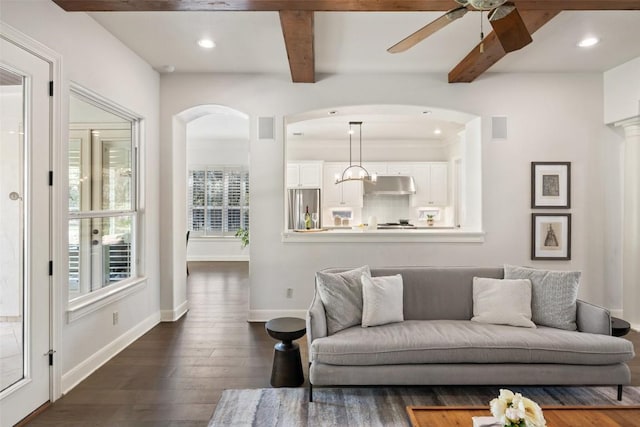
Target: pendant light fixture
(355, 171)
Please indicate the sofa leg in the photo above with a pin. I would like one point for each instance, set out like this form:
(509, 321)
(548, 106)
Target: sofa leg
(310, 386)
(619, 392)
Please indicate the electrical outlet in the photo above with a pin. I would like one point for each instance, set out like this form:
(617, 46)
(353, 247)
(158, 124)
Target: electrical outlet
(289, 292)
(115, 318)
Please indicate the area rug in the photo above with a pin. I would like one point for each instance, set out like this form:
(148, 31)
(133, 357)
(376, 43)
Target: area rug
(382, 406)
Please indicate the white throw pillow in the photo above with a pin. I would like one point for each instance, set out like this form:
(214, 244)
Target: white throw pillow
(381, 300)
(502, 302)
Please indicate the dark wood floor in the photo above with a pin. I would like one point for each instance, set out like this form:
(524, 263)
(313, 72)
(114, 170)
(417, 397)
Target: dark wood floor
(175, 374)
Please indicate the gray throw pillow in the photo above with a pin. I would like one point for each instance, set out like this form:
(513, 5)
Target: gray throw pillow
(341, 295)
(553, 295)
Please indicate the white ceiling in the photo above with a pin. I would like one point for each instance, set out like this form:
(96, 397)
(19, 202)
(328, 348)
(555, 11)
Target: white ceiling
(345, 42)
(348, 42)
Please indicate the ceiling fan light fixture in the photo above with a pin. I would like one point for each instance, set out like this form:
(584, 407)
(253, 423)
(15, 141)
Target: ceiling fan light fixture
(588, 42)
(482, 4)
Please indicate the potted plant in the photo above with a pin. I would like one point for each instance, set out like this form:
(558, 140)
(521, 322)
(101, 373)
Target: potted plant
(430, 219)
(243, 234)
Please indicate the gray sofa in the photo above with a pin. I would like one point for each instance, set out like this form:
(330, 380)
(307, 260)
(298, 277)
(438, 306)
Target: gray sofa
(437, 344)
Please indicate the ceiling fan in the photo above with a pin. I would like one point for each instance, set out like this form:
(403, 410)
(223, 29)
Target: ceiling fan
(503, 16)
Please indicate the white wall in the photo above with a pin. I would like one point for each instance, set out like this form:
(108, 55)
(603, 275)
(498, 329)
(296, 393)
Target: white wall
(94, 59)
(570, 131)
(373, 151)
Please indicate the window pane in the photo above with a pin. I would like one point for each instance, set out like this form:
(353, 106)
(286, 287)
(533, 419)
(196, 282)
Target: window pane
(215, 188)
(116, 173)
(100, 158)
(233, 220)
(214, 221)
(234, 188)
(197, 219)
(100, 253)
(197, 188)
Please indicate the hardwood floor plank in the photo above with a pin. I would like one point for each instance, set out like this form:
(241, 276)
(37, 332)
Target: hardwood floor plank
(174, 375)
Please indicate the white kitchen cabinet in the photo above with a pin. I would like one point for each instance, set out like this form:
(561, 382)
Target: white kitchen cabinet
(400, 168)
(348, 194)
(375, 168)
(304, 174)
(432, 186)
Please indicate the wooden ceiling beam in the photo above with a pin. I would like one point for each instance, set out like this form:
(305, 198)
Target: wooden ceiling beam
(325, 5)
(297, 29)
(476, 63)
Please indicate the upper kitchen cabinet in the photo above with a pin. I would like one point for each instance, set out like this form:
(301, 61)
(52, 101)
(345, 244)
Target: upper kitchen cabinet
(400, 168)
(347, 194)
(304, 174)
(375, 168)
(432, 184)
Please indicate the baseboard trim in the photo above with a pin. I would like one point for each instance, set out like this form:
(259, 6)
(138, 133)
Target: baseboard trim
(266, 315)
(175, 314)
(197, 258)
(92, 363)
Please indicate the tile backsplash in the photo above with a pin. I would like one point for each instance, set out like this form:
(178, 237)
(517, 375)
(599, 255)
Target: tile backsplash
(387, 208)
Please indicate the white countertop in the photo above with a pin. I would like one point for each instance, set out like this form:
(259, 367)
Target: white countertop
(426, 234)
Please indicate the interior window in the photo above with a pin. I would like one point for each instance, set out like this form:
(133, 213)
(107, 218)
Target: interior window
(103, 213)
(218, 200)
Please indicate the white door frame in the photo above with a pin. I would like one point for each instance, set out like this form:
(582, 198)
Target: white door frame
(58, 191)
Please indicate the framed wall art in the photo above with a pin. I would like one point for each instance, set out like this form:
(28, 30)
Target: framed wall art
(551, 185)
(550, 236)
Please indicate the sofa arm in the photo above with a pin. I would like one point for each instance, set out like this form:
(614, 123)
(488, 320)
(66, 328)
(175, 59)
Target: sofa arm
(316, 321)
(593, 319)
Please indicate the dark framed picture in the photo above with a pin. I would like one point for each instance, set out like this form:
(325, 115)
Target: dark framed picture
(550, 236)
(551, 185)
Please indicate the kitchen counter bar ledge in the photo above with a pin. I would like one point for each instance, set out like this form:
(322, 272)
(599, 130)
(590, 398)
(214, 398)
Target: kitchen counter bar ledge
(370, 236)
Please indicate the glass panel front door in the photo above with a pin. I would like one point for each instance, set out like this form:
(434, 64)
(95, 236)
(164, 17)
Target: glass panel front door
(25, 232)
(11, 228)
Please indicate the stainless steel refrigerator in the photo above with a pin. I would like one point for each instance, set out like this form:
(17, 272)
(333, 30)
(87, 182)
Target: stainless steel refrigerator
(298, 200)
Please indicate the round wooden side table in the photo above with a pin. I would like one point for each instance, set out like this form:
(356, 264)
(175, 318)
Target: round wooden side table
(287, 365)
(619, 327)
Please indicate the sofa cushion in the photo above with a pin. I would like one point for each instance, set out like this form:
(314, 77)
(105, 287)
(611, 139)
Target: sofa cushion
(460, 341)
(553, 295)
(341, 295)
(502, 302)
(381, 300)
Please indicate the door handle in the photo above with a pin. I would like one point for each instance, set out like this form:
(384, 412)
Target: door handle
(15, 196)
(95, 242)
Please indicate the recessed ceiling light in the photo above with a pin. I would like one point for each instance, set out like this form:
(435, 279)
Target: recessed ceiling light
(168, 68)
(437, 131)
(426, 112)
(588, 42)
(206, 43)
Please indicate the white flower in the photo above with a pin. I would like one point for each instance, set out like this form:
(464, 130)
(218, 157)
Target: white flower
(533, 413)
(514, 414)
(506, 395)
(498, 407)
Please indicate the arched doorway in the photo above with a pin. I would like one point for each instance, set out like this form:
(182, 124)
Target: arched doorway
(211, 144)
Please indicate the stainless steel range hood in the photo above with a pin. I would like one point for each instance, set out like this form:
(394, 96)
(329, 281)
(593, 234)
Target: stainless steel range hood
(391, 185)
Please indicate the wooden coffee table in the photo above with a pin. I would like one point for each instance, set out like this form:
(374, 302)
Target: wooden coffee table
(560, 416)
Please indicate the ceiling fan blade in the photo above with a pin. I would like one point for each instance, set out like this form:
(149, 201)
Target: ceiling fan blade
(509, 27)
(428, 29)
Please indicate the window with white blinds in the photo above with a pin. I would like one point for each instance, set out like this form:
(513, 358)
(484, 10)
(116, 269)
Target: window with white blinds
(218, 200)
